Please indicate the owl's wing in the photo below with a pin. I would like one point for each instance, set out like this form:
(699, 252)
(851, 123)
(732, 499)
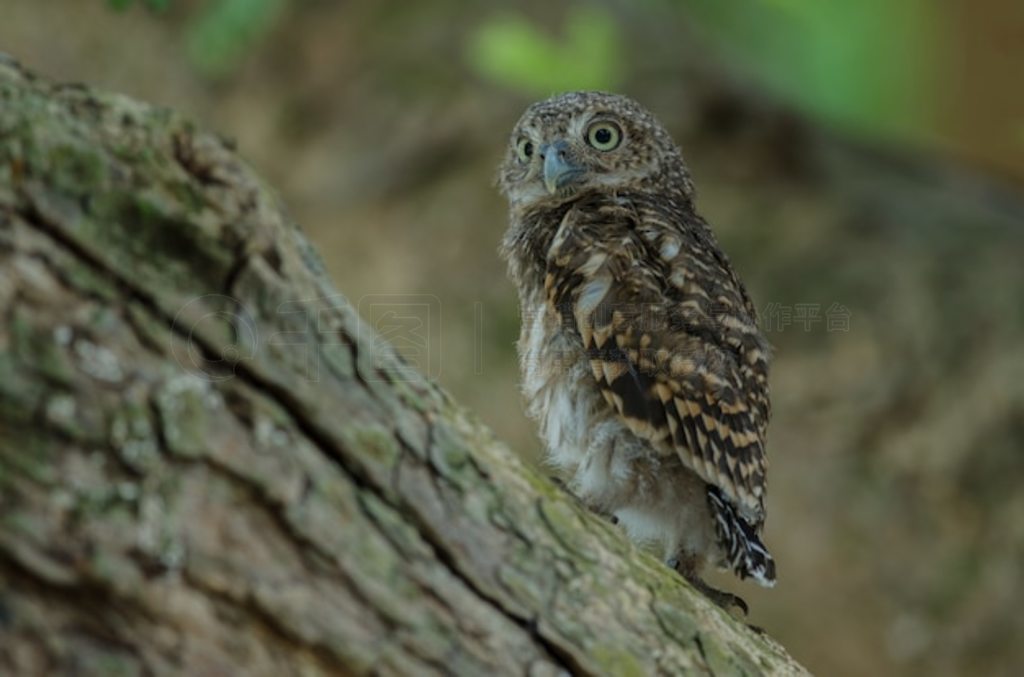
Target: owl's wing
(671, 336)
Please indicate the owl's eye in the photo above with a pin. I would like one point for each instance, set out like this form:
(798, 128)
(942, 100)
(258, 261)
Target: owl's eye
(524, 149)
(604, 136)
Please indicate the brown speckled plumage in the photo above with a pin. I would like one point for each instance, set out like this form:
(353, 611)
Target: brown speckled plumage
(641, 356)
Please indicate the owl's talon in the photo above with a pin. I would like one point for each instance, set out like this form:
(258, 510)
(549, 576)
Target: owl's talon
(687, 568)
(564, 486)
(726, 600)
(558, 481)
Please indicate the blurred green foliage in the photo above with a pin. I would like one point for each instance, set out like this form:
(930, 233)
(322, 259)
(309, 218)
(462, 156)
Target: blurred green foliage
(219, 37)
(512, 52)
(158, 5)
(868, 65)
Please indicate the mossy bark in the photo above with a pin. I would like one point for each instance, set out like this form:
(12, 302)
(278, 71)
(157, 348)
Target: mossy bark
(209, 467)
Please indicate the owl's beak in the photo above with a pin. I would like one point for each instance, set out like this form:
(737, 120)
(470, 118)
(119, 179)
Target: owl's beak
(558, 169)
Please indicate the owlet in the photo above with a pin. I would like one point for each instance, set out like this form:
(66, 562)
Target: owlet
(641, 357)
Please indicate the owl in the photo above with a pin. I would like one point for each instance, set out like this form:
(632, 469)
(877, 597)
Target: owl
(641, 358)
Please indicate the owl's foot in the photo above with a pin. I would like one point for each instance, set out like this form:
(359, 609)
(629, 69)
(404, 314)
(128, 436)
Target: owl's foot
(686, 568)
(726, 600)
(564, 486)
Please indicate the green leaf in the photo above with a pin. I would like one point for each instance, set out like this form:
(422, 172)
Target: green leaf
(868, 65)
(510, 51)
(155, 5)
(218, 40)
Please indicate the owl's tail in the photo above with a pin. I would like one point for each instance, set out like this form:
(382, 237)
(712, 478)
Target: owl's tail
(745, 554)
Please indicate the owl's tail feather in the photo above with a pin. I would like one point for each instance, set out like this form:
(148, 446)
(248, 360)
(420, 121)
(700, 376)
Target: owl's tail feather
(745, 554)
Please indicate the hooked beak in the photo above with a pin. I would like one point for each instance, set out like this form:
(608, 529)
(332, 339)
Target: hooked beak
(558, 169)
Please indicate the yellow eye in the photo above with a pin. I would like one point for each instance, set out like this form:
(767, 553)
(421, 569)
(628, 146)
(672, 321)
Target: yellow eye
(604, 136)
(524, 149)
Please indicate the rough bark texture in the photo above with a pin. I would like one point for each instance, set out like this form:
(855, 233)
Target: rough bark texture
(207, 466)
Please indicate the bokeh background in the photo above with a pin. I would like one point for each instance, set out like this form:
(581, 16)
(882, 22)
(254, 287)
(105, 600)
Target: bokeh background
(862, 163)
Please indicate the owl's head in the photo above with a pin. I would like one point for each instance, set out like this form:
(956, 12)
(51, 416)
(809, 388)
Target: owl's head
(581, 142)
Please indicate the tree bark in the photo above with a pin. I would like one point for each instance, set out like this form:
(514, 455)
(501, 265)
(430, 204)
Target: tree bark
(209, 467)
